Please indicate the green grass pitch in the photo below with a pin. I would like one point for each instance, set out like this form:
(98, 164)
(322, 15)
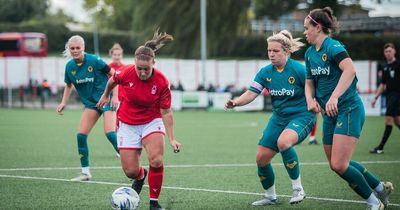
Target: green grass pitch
(214, 170)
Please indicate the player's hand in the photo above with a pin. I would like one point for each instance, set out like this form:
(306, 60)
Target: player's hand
(313, 106)
(103, 101)
(230, 104)
(114, 103)
(176, 146)
(331, 106)
(60, 108)
(373, 102)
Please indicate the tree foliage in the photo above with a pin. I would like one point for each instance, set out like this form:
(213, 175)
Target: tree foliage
(273, 9)
(21, 10)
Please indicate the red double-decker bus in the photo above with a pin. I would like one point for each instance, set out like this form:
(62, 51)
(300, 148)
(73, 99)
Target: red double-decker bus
(23, 44)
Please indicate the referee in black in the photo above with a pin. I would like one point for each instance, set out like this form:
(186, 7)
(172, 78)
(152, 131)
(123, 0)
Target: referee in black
(391, 83)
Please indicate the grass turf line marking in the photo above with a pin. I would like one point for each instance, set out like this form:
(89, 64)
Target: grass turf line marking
(190, 166)
(185, 188)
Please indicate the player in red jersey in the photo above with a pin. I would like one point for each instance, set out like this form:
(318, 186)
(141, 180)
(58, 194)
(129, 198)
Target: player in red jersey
(116, 54)
(145, 109)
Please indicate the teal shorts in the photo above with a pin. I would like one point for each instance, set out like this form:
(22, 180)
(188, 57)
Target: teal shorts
(349, 122)
(300, 123)
(100, 111)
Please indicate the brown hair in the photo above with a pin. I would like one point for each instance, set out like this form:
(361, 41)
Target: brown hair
(389, 45)
(116, 46)
(325, 18)
(147, 51)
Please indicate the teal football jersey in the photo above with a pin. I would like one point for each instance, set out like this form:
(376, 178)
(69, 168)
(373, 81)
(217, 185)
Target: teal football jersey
(286, 87)
(325, 72)
(88, 79)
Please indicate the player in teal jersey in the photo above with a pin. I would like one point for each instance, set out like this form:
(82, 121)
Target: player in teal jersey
(290, 122)
(88, 74)
(331, 89)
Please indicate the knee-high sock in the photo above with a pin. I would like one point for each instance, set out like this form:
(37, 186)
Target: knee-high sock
(357, 182)
(267, 176)
(291, 162)
(112, 137)
(313, 131)
(371, 179)
(83, 149)
(385, 137)
(155, 180)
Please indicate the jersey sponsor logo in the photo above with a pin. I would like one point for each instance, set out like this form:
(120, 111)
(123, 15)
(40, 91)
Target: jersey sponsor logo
(324, 57)
(291, 165)
(154, 89)
(86, 80)
(321, 71)
(90, 69)
(73, 72)
(268, 79)
(291, 80)
(282, 92)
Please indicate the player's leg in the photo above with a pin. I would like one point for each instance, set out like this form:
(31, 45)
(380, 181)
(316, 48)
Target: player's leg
(266, 150)
(154, 145)
(266, 174)
(88, 120)
(391, 112)
(153, 142)
(109, 128)
(130, 147)
(295, 132)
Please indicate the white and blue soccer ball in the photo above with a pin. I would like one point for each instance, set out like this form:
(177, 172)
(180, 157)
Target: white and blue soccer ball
(125, 198)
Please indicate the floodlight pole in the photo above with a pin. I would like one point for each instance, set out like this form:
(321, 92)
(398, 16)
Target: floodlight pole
(203, 30)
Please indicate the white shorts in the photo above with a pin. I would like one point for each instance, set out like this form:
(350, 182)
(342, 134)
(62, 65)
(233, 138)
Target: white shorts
(130, 136)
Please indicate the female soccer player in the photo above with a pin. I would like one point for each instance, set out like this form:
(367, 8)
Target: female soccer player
(145, 110)
(290, 123)
(331, 89)
(117, 53)
(88, 74)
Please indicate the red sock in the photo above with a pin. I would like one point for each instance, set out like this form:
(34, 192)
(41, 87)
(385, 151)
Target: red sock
(155, 180)
(314, 130)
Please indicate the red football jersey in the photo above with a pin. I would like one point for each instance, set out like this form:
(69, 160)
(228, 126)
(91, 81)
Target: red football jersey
(120, 91)
(142, 99)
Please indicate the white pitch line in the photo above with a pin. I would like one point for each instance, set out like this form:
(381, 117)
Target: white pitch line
(191, 166)
(185, 188)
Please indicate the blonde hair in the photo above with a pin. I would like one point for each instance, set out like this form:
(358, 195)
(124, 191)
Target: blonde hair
(116, 46)
(285, 38)
(75, 38)
(147, 51)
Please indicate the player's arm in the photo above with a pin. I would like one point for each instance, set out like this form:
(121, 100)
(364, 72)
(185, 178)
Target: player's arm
(105, 98)
(65, 98)
(378, 93)
(114, 100)
(309, 91)
(243, 99)
(168, 120)
(347, 77)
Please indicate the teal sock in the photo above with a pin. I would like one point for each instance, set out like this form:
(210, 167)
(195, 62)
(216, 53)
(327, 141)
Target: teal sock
(357, 182)
(112, 137)
(371, 179)
(291, 162)
(267, 176)
(83, 149)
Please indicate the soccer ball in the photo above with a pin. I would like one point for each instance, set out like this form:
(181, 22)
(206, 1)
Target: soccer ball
(125, 198)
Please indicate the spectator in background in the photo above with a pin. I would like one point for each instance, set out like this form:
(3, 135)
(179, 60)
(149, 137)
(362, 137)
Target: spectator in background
(331, 88)
(290, 123)
(44, 92)
(211, 88)
(88, 74)
(180, 86)
(391, 84)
